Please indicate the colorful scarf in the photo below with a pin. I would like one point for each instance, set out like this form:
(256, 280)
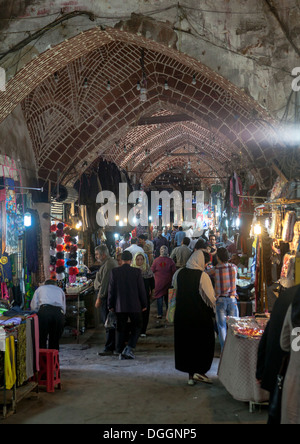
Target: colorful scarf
(145, 269)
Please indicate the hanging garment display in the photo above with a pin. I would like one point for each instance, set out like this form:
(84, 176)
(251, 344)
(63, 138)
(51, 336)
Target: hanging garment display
(236, 189)
(296, 238)
(5, 268)
(276, 225)
(288, 226)
(11, 218)
(10, 363)
(287, 277)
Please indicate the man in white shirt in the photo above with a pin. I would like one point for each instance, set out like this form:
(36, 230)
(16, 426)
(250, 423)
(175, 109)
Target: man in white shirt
(49, 301)
(134, 248)
(189, 232)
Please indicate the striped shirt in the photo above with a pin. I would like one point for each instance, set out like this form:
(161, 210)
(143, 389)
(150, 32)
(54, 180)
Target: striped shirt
(225, 276)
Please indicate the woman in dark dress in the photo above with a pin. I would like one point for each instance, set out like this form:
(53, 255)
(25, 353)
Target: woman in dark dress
(194, 335)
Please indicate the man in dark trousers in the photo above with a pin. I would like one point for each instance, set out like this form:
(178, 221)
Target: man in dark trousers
(127, 298)
(270, 354)
(101, 286)
(50, 302)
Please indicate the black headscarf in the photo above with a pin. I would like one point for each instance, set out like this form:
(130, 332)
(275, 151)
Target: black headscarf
(296, 310)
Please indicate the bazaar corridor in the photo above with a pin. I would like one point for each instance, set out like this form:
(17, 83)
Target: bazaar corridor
(148, 390)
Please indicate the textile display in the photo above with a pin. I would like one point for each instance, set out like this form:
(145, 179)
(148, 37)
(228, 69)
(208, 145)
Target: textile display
(287, 277)
(296, 239)
(24, 331)
(288, 226)
(1, 369)
(11, 218)
(21, 355)
(29, 348)
(275, 230)
(10, 363)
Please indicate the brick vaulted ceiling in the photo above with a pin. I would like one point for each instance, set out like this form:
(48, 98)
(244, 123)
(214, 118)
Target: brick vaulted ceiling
(74, 120)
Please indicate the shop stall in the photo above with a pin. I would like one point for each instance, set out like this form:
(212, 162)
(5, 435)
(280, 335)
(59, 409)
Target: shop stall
(275, 234)
(19, 357)
(238, 362)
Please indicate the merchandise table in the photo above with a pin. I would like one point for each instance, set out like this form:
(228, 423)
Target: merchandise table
(237, 369)
(78, 291)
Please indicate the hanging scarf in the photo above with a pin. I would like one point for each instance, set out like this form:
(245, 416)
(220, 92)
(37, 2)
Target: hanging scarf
(147, 273)
(206, 290)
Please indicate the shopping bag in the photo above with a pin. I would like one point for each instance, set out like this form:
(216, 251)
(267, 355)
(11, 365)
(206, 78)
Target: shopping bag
(111, 320)
(171, 305)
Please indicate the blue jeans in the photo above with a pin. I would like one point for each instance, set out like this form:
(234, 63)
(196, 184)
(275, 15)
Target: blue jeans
(160, 304)
(225, 307)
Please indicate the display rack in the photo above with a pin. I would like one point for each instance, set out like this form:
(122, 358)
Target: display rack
(11, 397)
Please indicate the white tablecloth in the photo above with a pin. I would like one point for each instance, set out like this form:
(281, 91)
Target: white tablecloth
(237, 369)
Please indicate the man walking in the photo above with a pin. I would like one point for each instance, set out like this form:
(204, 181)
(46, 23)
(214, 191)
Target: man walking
(181, 255)
(225, 275)
(158, 242)
(101, 286)
(127, 298)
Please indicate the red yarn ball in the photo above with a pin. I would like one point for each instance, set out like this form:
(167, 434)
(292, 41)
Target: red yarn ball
(73, 271)
(53, 228)
(59, 248)
(60, 263)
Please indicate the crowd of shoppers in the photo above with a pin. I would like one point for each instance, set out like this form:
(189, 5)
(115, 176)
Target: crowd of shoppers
(205, 282)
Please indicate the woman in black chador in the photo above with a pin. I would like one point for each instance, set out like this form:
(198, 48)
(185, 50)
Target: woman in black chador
(194, 333)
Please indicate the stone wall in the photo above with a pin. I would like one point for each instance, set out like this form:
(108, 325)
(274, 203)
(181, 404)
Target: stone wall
(241, 40)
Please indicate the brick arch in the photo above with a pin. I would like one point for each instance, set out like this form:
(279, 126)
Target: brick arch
(102, 117)
(170, 138)
(165, 166)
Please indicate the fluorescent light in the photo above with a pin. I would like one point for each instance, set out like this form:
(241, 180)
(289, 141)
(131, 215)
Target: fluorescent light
(27, 220)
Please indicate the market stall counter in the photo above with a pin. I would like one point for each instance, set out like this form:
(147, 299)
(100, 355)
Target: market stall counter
(78, 292)
(238, 362)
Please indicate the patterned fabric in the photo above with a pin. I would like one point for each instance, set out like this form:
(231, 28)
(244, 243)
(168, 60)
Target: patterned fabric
(21, 355)
(225, 280)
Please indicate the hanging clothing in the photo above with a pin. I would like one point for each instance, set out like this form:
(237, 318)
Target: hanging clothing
(287, 277)
(288, 226)
(10, 363)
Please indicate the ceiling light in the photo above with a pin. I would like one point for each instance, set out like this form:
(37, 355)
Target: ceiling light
(194, 82)
(166, 85)
(143, 95)
(108, 86)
